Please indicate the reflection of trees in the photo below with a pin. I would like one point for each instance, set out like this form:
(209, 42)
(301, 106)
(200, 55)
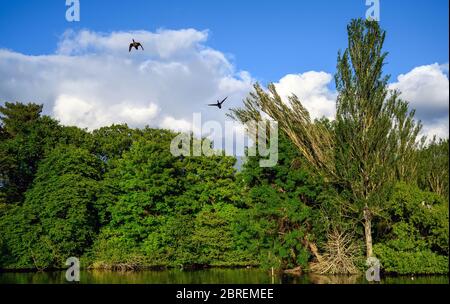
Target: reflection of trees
(336, 279)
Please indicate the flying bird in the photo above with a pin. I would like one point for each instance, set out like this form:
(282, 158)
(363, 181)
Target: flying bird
(135, 45)
(218, 104)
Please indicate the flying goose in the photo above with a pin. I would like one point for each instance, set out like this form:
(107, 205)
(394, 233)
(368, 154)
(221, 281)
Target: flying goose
(135, 45)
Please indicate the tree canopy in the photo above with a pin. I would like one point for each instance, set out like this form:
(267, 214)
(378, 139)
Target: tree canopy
(358, 186)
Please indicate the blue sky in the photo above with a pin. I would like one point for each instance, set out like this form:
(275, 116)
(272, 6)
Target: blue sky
(198, 51)
(268, 38)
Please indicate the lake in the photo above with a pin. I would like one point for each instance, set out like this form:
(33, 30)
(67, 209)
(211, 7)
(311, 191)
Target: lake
(207, 276)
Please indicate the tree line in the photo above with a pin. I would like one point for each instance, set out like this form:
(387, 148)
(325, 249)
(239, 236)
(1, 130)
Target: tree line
(361, 185)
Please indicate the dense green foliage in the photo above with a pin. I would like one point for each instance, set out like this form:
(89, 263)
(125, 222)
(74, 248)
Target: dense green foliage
(280, 213)
(414, 232)
(117, 197)
(433, 167)
(166, 210)
(370, 147)
(58, 217)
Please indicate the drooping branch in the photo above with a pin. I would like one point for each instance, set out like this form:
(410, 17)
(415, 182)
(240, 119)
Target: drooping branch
(313, 139)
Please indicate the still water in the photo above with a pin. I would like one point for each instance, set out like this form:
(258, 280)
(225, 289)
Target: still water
(209, 276)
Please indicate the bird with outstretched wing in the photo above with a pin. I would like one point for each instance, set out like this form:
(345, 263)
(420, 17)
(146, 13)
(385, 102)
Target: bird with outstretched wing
(135, 45)
(218, 104)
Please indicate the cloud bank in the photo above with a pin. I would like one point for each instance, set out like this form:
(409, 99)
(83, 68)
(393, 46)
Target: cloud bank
(312, 89)
(92, 81)
(426, 88)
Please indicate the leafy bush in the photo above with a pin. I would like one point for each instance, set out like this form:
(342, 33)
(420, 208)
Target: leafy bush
(410, 262)
(414, 238)
(167, 210)
(280, 213)
(58, 218)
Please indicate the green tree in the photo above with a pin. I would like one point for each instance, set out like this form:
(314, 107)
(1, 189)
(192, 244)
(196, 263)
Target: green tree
(213, 239)
(374, 129)
(58, 217)
(74, 136)
(367, 146)
(412, 232)
(15, 117)
(282, 215)
(433, 167)
(27, 136)
(110, 142)
(154, 200)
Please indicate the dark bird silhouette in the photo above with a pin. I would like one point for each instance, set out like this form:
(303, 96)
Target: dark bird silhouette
(218, 104)
(135, 45)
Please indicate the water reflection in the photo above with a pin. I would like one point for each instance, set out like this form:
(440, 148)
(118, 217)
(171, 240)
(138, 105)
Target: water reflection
(209, 276)
(350, 279)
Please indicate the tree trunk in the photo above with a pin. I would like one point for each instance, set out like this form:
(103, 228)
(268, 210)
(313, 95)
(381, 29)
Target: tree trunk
(313, 249)
(368, 231)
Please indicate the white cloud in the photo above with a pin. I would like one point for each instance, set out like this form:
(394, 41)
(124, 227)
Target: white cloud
(92, 115)
(92, 80)
(444, 67)
(162, 44)
(180, 125)
(426, 88)
(436, 127)
(312, 89)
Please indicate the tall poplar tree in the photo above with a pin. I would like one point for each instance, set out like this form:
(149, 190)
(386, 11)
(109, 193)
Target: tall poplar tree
(372, 138)
(374, 129)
